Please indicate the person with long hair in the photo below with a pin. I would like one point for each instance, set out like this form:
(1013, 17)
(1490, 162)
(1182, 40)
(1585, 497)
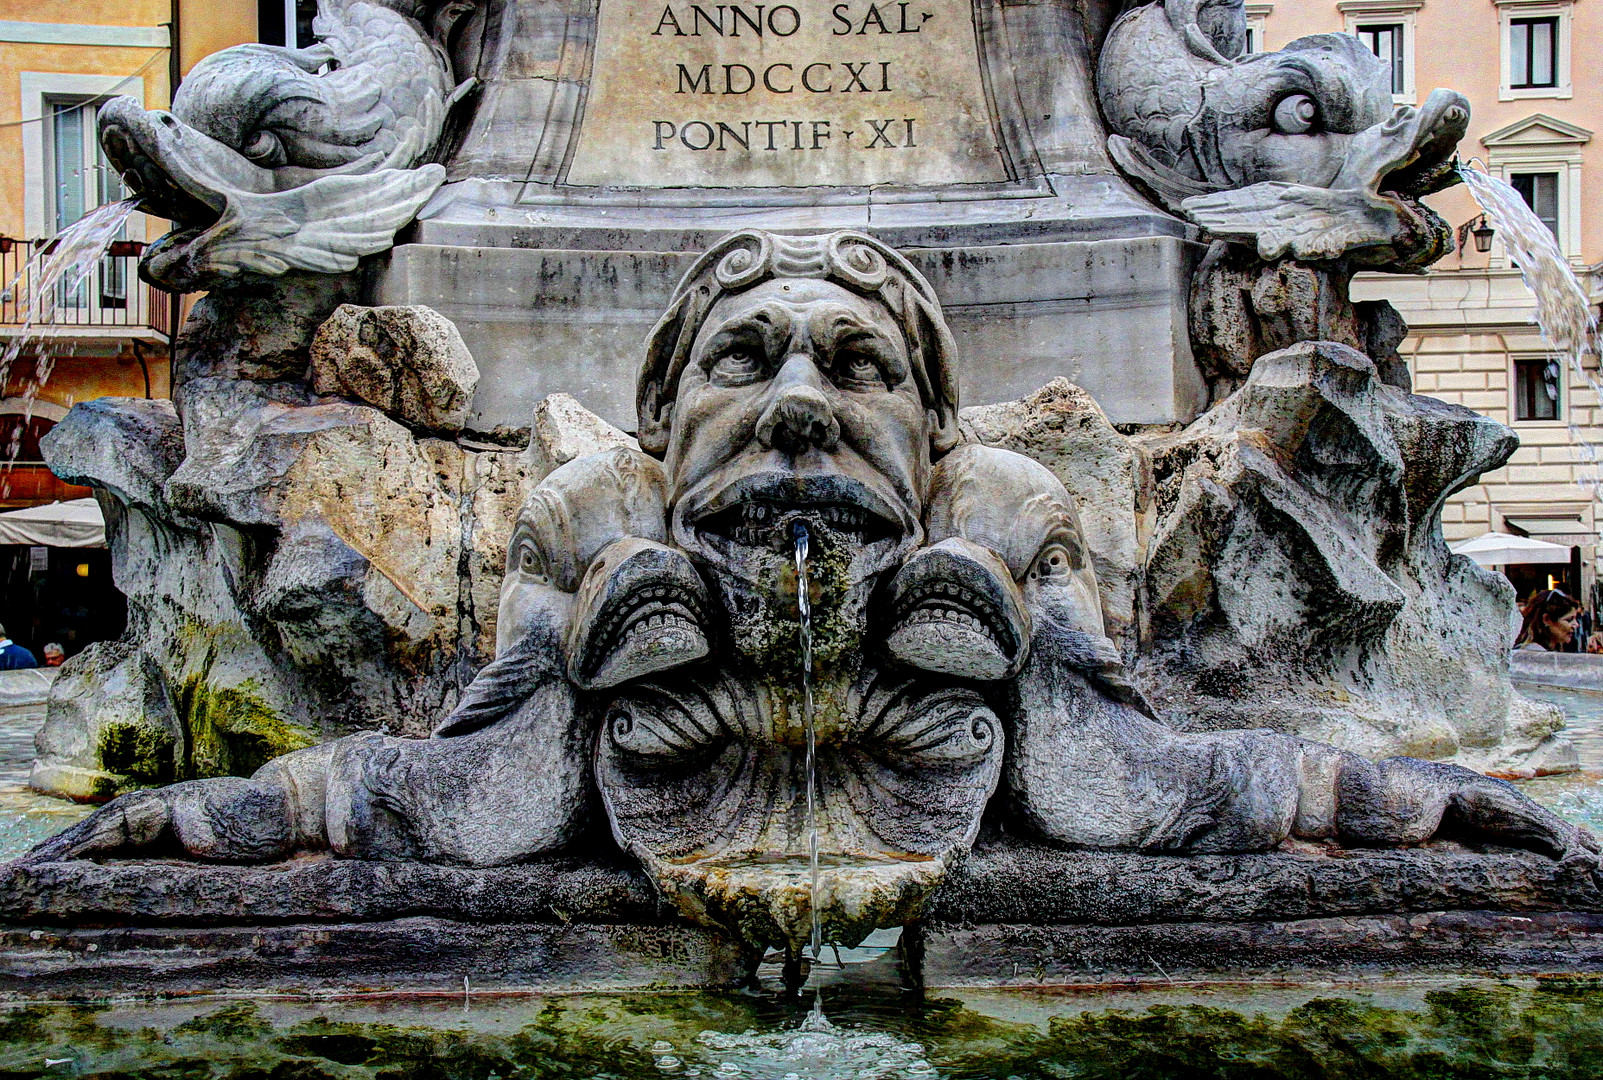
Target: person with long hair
(1549, 621)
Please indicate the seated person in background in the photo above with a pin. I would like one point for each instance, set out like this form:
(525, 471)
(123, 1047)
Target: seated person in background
(54, 655)
(1549, 622)
(13, 655)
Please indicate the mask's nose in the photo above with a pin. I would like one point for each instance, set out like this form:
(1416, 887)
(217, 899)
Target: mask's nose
(799, 415)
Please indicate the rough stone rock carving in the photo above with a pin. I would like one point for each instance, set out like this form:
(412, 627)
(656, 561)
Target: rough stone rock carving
(648, 637)
(1296, 576)
(504, 776)
(276, 158)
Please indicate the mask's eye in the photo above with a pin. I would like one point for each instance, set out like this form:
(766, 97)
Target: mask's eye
(1296, 114)
(854, 367)
(264, 148)
(1055, 563)
(737, 365)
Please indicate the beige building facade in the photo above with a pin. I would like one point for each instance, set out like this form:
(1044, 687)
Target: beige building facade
(1529, 69)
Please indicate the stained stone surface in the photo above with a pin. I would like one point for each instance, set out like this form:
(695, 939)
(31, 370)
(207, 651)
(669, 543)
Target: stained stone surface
(1009, 881)
(1063, 427)
(1010, 913)
(409, 362)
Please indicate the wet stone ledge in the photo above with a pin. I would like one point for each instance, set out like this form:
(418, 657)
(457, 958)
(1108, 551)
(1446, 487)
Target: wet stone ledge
(1009, 913)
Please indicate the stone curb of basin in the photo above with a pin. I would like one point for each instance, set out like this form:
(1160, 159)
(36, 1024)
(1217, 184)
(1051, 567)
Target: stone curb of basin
(1010, 913)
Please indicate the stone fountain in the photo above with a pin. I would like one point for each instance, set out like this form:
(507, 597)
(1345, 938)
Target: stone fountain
(1154, 650)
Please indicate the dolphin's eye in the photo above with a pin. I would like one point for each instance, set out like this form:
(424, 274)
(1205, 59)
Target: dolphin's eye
(1055, 563)
(264, 148)
(525, 559)
(1296, 114)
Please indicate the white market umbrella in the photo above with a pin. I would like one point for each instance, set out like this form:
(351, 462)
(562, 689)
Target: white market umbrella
(77, 524)
(1501, 549)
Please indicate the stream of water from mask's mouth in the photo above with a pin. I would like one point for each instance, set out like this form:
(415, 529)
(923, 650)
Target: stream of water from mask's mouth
(1563, 311)
(804, 609)
(53, 279)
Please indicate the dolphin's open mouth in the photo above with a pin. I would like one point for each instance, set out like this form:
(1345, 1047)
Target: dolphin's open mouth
(140, 145)
(953, 613)
(1414, 153)
(644, 612)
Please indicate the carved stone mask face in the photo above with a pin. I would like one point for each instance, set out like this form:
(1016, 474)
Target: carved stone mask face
(797, 405)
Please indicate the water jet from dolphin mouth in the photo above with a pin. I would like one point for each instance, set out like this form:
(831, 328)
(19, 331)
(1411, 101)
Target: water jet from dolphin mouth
(1564, 313)
(54, 275)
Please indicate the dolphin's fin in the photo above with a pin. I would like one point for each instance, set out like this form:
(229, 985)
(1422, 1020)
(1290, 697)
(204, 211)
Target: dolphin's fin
(324, 226)
(1307, 222)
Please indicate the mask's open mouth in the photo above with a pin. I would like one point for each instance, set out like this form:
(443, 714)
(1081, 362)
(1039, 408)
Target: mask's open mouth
(772, 525)
(759, 515)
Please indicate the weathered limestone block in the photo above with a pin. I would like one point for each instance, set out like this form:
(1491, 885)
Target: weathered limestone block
(409, 362)
(1063, 428)
(1297, 578)
(563, 430)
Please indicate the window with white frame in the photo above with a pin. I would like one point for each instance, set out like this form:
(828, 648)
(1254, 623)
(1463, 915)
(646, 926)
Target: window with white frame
(80, 179)
(1386, 27)
(1540, 157)
(1540, 192)
(1538, 388)
(1257, 21)
(66, 175)
(1535, 49)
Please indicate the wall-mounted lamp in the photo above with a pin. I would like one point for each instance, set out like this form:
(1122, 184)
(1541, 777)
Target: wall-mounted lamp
(1477, 228)
(1483, 235)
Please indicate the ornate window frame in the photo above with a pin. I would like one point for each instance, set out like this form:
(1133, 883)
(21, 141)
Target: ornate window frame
(1358, 13)
(1507, 12)
(1542, 143)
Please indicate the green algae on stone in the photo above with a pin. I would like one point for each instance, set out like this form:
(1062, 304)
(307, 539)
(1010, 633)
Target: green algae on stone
(233, 730)
(142, 753)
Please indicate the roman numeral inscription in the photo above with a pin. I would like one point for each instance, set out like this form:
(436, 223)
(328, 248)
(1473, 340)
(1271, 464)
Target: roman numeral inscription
(798, 94)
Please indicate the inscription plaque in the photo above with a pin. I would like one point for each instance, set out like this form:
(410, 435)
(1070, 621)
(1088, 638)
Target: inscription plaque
(800, 93)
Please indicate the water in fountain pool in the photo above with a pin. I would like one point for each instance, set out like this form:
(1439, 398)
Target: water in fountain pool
(1576, 796)
(26, 817)
(1552, 1028)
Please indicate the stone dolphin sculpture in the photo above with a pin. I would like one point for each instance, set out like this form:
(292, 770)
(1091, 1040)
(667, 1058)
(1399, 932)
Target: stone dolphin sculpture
(277, 158)
(505, 777)
(1090, 765)
(1300, 152)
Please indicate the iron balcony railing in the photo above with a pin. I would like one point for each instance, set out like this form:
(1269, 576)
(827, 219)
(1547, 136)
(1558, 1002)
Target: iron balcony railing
(110, 296)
